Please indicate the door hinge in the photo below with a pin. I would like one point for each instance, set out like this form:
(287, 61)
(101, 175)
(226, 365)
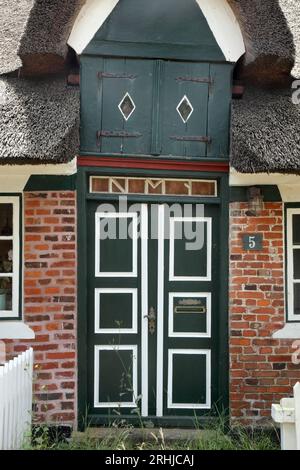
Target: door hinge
(207, 80)
(115, 75)
(117, 134)
(191, 138)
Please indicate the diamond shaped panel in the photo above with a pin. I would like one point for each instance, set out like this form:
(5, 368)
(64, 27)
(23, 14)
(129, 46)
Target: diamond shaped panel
(185, 109)
(127, 106)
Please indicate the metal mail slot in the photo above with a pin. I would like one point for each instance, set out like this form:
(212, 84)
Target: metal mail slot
(187, 309)
(192, 305)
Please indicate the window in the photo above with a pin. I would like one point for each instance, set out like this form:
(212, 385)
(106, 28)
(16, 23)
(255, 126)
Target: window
(293, 264)
(9, 256)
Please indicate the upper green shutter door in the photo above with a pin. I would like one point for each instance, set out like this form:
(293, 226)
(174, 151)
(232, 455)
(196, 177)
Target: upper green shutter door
(153, 107)
(126, 88)
(120, 95)
(184, 109)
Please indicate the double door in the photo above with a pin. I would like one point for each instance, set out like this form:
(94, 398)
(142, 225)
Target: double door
(153, 306)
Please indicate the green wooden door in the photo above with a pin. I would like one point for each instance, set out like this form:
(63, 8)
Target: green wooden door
(153, 310)
(116, 106)
(126, 106)
(184, 109)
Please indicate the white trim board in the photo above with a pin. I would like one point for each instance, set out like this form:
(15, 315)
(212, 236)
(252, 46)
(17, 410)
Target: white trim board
(289, 331)
(288, 185)
(90, 18)
(291, 281)
(160, 311)
(289, 192)
(144, 309)
(225, 27)
(15, 330)
(250, 179)
(218, 13)
(15, 239)
(13, 178)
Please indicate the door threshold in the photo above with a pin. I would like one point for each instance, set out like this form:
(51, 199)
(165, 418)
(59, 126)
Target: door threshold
(141, 434)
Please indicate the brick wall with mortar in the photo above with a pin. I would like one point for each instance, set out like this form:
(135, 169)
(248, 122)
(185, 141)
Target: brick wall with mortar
(261, 368)
(50, 281)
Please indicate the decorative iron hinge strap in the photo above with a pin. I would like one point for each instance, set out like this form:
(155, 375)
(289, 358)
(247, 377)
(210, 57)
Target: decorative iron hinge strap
(118, 134)
(195, 79)
(115, 75)
(191, 138)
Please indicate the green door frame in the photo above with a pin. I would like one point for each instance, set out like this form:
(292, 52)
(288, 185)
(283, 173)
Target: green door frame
(83, 196)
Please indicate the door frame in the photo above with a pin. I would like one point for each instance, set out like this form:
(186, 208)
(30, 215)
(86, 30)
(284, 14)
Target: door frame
(83, 197)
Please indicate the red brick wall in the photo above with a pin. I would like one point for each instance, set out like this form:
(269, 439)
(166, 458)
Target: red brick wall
(50, 301)
(261, 368)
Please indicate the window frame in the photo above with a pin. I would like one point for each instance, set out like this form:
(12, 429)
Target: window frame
(15, 200)
(290, 212)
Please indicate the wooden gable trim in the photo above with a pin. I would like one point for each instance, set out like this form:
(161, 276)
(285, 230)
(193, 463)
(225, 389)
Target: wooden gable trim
(218, 13)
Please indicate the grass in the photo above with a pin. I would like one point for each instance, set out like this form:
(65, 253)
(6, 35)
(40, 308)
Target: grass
(216, 437)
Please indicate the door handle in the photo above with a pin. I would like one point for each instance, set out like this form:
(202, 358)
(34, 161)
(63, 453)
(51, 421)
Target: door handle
(151, 320)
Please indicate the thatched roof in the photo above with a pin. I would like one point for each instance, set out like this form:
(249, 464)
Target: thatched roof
(266, 133)
(266, 124)
(48, 27)
(32, 27)
(35, 33)
(291, 9)
(13, 18)
(271, 30)
(43, 46)
(39, 121)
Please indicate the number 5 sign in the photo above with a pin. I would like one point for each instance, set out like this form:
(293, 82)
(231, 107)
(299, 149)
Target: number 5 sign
(253, 242)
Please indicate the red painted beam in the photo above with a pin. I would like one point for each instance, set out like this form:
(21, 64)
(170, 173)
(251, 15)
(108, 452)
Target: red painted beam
(116, 162)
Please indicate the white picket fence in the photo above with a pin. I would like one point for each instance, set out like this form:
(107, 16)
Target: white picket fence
(287, 414)
(16, 400)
